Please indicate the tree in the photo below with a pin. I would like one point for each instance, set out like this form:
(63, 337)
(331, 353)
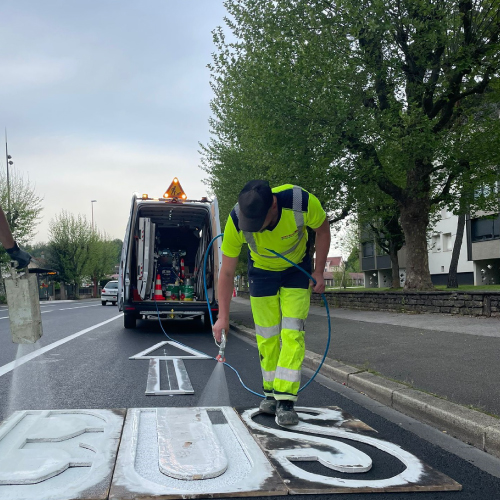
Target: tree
(70, 247)
(25, 208)
(102, 257)
(348, 94)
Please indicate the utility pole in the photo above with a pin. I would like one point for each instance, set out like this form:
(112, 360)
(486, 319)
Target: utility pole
(92, 205)
(8, 161)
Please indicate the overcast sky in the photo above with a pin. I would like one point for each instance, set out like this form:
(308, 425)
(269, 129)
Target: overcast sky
(102, 98)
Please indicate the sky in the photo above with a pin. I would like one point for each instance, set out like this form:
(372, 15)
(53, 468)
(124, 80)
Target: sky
(104, 98)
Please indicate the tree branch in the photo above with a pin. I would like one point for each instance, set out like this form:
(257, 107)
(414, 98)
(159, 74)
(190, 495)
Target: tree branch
(369, 154)
(445, 191)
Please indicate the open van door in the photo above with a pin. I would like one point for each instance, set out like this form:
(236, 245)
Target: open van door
(123, 276)
(216, 230)
(145, 261)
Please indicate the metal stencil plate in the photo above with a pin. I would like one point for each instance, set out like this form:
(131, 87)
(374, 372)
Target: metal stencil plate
(161, 445)
(58, 454)
(344, 447)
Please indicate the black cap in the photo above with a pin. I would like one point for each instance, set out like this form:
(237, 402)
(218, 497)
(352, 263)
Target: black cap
(255, 200)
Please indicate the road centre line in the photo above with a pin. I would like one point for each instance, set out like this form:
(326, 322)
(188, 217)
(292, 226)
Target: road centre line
(28, 357)
(42, 312)
(65, 309)
(78, 307)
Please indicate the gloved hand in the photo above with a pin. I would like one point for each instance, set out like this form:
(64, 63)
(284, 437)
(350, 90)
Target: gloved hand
(23, 258)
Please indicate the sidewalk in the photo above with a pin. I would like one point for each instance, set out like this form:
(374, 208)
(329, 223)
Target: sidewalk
(405, 360)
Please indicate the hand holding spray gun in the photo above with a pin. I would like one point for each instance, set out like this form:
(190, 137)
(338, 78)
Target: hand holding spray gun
(222, 347)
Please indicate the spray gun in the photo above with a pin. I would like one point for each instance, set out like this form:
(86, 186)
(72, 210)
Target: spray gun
(222, 347)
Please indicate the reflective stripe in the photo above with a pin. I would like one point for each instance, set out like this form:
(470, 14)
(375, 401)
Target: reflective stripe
(293, 324)
(267, 331)
(299, 222)
(297, 207)
(287, 374)
(268, 376)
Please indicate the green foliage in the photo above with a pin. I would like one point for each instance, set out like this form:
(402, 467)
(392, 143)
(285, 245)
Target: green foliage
(25, 208)
(352, 100)
(102, 256)
(70, 246)
(76, 251)
(352, 263)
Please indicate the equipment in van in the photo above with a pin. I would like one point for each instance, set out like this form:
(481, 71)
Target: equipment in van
(24, 307)
(158, 291)
(169, 236)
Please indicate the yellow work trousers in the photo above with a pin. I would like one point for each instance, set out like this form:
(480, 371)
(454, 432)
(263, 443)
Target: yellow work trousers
(280, 319)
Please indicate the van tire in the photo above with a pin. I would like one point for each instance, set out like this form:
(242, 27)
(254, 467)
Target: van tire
(103, 302)
(206, 321)
(129, 321)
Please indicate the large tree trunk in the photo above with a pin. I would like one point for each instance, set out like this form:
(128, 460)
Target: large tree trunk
(452, 273)
(414, 221)
(393, 254)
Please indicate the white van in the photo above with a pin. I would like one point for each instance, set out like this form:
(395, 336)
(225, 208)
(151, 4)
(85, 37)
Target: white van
(163, 254)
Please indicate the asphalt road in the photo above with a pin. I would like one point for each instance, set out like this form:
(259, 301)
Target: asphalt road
(93, 370)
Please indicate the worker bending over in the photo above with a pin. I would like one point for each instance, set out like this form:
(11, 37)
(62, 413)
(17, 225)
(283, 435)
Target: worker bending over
(275, 219)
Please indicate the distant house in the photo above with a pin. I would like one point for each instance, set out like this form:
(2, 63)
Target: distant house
(332, 265)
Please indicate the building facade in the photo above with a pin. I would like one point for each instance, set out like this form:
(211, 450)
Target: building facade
(478, 263)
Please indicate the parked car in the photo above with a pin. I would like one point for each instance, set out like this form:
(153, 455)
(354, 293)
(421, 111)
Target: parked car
(109, 293)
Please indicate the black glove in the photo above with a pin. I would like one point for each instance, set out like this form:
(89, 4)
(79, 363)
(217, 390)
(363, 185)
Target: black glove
(23, 258)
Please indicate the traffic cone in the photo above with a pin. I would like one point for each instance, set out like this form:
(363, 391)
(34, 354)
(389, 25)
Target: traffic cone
(158, 293)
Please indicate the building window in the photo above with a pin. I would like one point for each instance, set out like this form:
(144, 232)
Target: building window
(485, 229)
(436, 243)
(442, 269)
(368, 249)
(447, 245)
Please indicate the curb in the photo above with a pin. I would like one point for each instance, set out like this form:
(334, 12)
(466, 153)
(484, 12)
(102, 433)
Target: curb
(470, 426)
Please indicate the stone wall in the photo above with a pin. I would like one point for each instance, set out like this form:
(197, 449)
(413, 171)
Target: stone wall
(481, 303)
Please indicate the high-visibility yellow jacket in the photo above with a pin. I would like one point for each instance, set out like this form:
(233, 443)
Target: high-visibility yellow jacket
(298, 209)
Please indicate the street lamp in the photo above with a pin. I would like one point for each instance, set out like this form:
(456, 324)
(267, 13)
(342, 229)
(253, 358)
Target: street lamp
(92, 205)
(8, 161)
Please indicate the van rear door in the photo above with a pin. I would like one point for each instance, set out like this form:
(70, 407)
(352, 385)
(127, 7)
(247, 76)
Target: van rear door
(216, 230)
(124, 277)
(145, 256)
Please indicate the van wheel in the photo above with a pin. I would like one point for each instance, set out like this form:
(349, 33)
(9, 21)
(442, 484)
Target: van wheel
(206, 321)
(103, 302)
(129, 321)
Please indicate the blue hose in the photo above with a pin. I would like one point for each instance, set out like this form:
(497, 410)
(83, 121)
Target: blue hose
(308, 275)
(212, 321)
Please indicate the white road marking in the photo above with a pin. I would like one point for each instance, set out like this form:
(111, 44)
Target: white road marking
(79, 307)
(24, 359)
(45, 312)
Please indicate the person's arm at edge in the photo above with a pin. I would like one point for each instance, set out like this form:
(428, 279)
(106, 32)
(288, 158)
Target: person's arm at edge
(225, 292)
(323, 238)
(6, 238)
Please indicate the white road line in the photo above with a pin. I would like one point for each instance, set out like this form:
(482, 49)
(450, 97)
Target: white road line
(24, 359)
(65, 309)
(41, 312)
(79, 307)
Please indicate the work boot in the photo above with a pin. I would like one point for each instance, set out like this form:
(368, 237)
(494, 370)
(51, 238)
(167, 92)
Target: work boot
(268, 405)
(285, 414)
